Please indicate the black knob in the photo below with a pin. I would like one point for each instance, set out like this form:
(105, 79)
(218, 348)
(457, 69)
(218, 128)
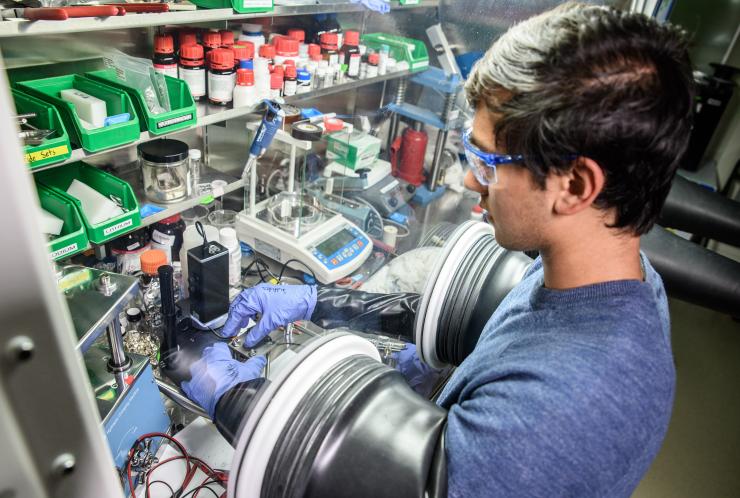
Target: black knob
(393, 202)
(410, 189)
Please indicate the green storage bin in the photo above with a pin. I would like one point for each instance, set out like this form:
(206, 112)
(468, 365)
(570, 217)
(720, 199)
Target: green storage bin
(61, 178)
(117, 102)
(181, 116)
(56, 148)
(73, 238)
(241, 6)
(402, 49)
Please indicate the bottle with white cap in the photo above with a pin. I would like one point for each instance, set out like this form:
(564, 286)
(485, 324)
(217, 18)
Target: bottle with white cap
(253, 33)
(230, 242)
(194, 156)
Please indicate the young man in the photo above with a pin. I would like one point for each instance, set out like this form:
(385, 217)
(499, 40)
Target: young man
(582, 115)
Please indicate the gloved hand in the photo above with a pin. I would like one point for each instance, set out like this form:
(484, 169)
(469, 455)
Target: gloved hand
(420, 376)
(381, 6)
(278, 304)
(216, 372)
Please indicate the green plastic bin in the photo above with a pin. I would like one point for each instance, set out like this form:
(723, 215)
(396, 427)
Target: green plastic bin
(73, 238)
(182, 105)
(117, 102)
(55, 148)
(402, 49)
(241, 6)
(60, 179)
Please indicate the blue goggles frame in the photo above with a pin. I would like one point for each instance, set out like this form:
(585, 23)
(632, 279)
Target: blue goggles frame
(483, 164)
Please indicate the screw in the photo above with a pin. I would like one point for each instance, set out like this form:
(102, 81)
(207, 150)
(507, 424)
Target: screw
(20, 348)
(64, 464)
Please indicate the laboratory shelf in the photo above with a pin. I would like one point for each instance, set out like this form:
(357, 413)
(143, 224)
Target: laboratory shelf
(209, 114)
(21, 27)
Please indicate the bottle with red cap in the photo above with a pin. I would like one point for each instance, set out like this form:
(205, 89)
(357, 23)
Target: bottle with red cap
(164, 58)
(290, 85)
(297, 34)
(286, 49)
(268, 52)
(243, 51)
(227, 38)
(211, 41)
(276, 85)
(330, 48)
(166, 236)
(186, 37)
(221, 76)
(192, 69)
(372, 65)
(245, 94)
(350, 53)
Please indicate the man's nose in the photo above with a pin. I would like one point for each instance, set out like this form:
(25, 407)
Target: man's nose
(472, 184)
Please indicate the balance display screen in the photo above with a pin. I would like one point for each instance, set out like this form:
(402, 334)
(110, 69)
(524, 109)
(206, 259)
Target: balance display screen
(336, 242)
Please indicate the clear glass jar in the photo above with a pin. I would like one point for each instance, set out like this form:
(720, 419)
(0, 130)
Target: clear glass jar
(165, 167)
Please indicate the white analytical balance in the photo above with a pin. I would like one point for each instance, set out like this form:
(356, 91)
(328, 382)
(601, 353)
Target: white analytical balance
(294, 228)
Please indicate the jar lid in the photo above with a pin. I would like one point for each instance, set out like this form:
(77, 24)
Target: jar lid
(227, 38)
(221, 59)
(297, 34)
(252, 29)
(133, 315)
(244, 77)
(164, 150)
(192, 51)
(243, 50)
(351, 37)
(267, 51)
(187, 37)
(170, 220)
(163, 44)
(151, 260)
(329, 40)
(314, 50)
(304, 75)
(286, 46)
(212, 39)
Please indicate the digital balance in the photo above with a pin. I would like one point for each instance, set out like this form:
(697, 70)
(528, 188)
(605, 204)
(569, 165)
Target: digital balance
(294, 229)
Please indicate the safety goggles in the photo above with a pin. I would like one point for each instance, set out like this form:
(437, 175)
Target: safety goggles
(483, 164)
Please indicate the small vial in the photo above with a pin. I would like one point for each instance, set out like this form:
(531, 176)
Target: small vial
(245, 94)
(276, 85)
(372, 65)
(194, 168)
(290, 86)
(383, 61)
(304, 82)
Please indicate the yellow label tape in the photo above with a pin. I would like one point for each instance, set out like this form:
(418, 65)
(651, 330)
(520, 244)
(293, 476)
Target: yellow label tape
(33, 157)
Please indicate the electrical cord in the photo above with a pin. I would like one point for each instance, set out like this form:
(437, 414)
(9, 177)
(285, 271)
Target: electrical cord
(172, 491)
(285, 265)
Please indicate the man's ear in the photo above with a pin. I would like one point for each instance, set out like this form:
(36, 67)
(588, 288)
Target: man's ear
(579, 187)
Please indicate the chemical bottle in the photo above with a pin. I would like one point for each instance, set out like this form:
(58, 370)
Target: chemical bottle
(383, 61)
(164, 59)
(290, 85)
(350, 53)
(245, 94)
(230, 242)
(211, 41)
(151, 260)
(227, 38)
(297, 34)
(262, 78)
(243, 51)
(372, 65)
(192, 69)
(276, 85)
(194, 165)
(253, 33)
(167, 236)
(304, 81)
(286, 49)
(221, 76)
(329, 48)
(268, 52)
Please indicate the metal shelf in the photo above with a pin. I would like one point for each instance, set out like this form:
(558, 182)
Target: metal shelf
(209, 114)
(22, 27)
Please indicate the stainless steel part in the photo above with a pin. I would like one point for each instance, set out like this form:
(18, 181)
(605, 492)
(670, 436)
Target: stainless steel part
(176, 395)
(400, 98)
(118, 362)
(439, 145)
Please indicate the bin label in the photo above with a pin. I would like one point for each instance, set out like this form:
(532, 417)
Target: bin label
(39, 155)
(174, 121)
(118, 226)
(64, 250)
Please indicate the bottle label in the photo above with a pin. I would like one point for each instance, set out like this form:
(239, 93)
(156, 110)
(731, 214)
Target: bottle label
(221, 87)
(353, 71)
(333, 59)
(169, 69)
(196, 80)
(163, 239)
(291, 87)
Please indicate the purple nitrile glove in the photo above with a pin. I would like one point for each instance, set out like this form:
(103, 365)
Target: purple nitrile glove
(279, 305)
(419, 376)
(381, 6)
(216, 372)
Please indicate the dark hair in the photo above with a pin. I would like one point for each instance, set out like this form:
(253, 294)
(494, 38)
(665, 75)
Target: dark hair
(612, 86)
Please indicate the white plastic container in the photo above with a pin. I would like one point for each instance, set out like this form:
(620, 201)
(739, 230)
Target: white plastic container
(230, 242)
(245, 93)
(262, 78)
(253, 33)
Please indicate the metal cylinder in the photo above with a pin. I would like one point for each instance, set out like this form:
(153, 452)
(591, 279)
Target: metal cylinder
(118, 360)
(439, 146)
(400, 98)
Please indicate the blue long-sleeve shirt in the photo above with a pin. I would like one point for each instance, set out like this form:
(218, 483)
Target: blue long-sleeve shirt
(567, 393)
